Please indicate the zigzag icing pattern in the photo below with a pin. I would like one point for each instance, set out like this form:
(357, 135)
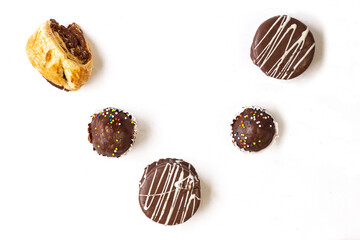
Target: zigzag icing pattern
(175, 183)
(294, 53)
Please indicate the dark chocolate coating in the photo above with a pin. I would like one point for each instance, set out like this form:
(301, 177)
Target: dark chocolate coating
(74, 40)
(283, 47)
(253, 130)
(169, 191)
(112, 132)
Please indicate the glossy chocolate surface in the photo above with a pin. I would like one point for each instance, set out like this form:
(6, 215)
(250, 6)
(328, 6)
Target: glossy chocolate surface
(283, 47)
(169, 191)
(112, 132)
(253, 130)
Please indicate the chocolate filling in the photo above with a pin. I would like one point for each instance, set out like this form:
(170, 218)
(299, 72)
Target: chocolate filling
(57, 86)
(74, 40)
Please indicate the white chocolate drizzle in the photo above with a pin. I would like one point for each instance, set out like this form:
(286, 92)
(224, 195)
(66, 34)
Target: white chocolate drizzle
(281, 69)
(172, 194)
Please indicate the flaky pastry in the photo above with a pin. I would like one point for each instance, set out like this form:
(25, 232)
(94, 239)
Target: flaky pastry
(61, 55)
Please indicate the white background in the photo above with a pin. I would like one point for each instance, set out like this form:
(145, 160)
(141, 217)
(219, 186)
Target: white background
(183, 69)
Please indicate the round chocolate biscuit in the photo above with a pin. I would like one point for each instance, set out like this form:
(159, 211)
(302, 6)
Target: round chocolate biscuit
(169, 191)
(283, 47)
(253, 130)
(112, 132)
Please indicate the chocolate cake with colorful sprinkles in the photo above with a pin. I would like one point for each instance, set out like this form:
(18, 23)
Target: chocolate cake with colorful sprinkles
(253, 129)
(112, 132)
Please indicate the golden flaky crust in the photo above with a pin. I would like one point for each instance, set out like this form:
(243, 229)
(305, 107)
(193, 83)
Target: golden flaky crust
(57, 65)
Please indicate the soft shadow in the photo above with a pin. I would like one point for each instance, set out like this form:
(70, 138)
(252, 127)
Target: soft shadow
(97, 59)
(280, 125)
(205, 195)
(319, 48)
(143, 131)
